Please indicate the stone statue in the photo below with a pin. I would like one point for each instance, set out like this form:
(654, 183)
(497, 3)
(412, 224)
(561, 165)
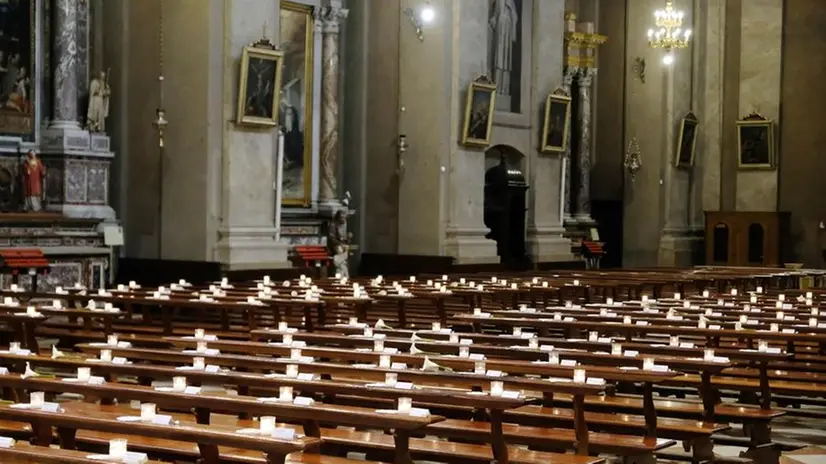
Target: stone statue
(34, 176)
(338, 244)
(99, 92)
(503, 25)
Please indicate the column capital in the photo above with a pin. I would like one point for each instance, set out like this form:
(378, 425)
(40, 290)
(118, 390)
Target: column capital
(586, 77)
(329, 18)
(568, 77)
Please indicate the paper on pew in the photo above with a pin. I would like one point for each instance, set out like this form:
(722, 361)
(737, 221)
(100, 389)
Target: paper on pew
(415, 412)
(131, 457)
(46, 407)
(7, 442)
(159, 419)
(208, 352)
(207, 338)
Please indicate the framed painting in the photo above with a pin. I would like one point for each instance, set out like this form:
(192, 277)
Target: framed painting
(258, 86)
(755, 142)
(686, 141)
(17, 63)
(296, 108)
(557, 122)
(481, 101)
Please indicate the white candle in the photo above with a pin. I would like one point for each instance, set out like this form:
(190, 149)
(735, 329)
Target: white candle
(405, 405)
(626, 320)
(199, 363)
(368, 332)
(579, 376)
(645, 298)
(292, 371)
(744, 318)
(378, 345)
(477, 311)
(496, 388)
(179, 383)
(117, 448)
(444, 277)
(780, 315)
(720, 302)
(36, 399)
(815, 311)
(534, 281)
(808, 301)
(517, 331)
(708, 354)
(616, 349)
(464, 351)
(14, 347)
(148, 412)
(686, 304)
(201, 346)
(267, 280)
(809, 295)
(106, 355)
(514, 286)
(705, 294)
(391, 379)
(677, 296)
(774, 327)
(762, 346)
(553, 358)
(287, 339)
(479, 367)
(812, 322)
(778, 304)
(544, 284)
(576, 282)
(609, 301)
(593, 336)
(648, 364)
(412, 278)
(738, 326)
(674, 341)
(568, 304)
(533, 343)
(13, 287)
(295, 353)
(83, 374)
(285, 393)
(57, 304)
(429, 283)
(384, 361)
(701, 324)
(733, 292)
(112, 340)
(267, 425)
(199, 334)
(31, 310)
(753, 299)
(759, 289)
(437, 326)
(454, 338)
(493, 279)
(781, 297)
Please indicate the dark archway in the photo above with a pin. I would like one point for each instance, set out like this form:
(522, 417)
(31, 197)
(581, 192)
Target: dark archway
(504, 209)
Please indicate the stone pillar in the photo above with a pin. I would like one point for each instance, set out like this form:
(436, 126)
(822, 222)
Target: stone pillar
(583, 194)
(331, 17)
(82, 61)
(567, 81)
(65, 114)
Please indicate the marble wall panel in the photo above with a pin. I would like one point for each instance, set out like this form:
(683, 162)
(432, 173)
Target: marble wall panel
(75, 182)
(97, 186)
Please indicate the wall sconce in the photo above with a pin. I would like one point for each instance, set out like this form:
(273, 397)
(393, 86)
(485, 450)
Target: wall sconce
(633, 159)
(426, 15)
(160, 124)
(639, 68)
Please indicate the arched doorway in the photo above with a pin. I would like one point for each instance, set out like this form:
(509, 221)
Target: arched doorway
(505, 204)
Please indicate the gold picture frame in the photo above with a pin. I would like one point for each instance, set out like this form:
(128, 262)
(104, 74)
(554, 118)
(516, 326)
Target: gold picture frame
(478, 125)
(556, 127)
(755, 142)
(297, 24)
(686, 141)
(259, 84)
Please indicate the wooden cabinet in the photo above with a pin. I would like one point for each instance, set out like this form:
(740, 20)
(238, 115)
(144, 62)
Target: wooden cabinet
(747, 238)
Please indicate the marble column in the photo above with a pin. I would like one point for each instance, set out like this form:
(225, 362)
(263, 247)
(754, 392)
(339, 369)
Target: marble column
(331, 17)
(583, 194)
(65, 114)
(567, 81)
(82, 60)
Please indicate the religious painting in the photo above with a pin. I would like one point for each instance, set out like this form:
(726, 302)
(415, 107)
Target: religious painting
(481, 98)
(258, 90)
(755, 140)
(557, 122)
(17, 79)
(296, 107)
(686, 141)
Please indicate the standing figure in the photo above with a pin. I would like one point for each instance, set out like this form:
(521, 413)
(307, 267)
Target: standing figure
(338, 244)
(34, 176)
(503, 24)
(99, 92)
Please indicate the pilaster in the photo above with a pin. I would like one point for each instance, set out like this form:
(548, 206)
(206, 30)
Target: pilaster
(567, 83)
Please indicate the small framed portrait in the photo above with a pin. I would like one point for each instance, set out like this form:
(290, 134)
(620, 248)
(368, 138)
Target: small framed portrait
(686, 141)
(755, 142)
(481, 98)
(259, 86)
(557, 122)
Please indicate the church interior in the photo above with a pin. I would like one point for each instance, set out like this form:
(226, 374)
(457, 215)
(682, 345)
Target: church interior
(412, 231)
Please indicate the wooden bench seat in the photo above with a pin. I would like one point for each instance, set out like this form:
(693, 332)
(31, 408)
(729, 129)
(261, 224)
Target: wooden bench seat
(24, 453)
(802, 389)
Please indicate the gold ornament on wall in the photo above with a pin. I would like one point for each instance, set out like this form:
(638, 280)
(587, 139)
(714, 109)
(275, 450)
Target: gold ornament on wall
(633, 159)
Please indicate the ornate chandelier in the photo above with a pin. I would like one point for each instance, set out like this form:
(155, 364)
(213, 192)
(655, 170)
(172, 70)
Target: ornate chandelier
(669, 34)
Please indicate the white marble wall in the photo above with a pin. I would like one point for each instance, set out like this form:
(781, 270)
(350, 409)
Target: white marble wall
(761, 42)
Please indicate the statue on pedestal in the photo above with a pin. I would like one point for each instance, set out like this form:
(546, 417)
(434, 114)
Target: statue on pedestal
(338, 243)
(99, 92)
(34, 176)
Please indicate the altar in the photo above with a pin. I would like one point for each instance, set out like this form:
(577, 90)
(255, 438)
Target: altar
(55, 155)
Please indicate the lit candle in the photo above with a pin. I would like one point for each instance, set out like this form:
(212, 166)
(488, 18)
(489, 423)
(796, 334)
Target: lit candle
(179, 383)
(285, 393)
(579, 376)
(444, 277)
(199, 334)
(705, 294)
(479, 367)
(378, 345)
(812, 322)
(83, 374)
(753, 299)
(14, 347)
(648, 364)
(267, 425)
(496, 388)
(391, 379)
(292, 371)
(464, 351)
(759, 289)
(384, 361)
(405, 405)
(593, 336)
(287, 339)
(774, 327)
(36, 399)
(117, 448)
(201, 346)
(677, 296)
(368, 332)
(106, 355)
(674, 341)
(517, 331)
(762, 346)
(437, 326)
(412, 278)
(112, 340)
(295, 353)
(148, 412)
(199, 363)
(609, 301)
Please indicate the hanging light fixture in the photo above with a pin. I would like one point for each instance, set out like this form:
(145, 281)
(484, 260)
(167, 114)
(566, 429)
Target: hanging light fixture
(160, 121)
(669, 33)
